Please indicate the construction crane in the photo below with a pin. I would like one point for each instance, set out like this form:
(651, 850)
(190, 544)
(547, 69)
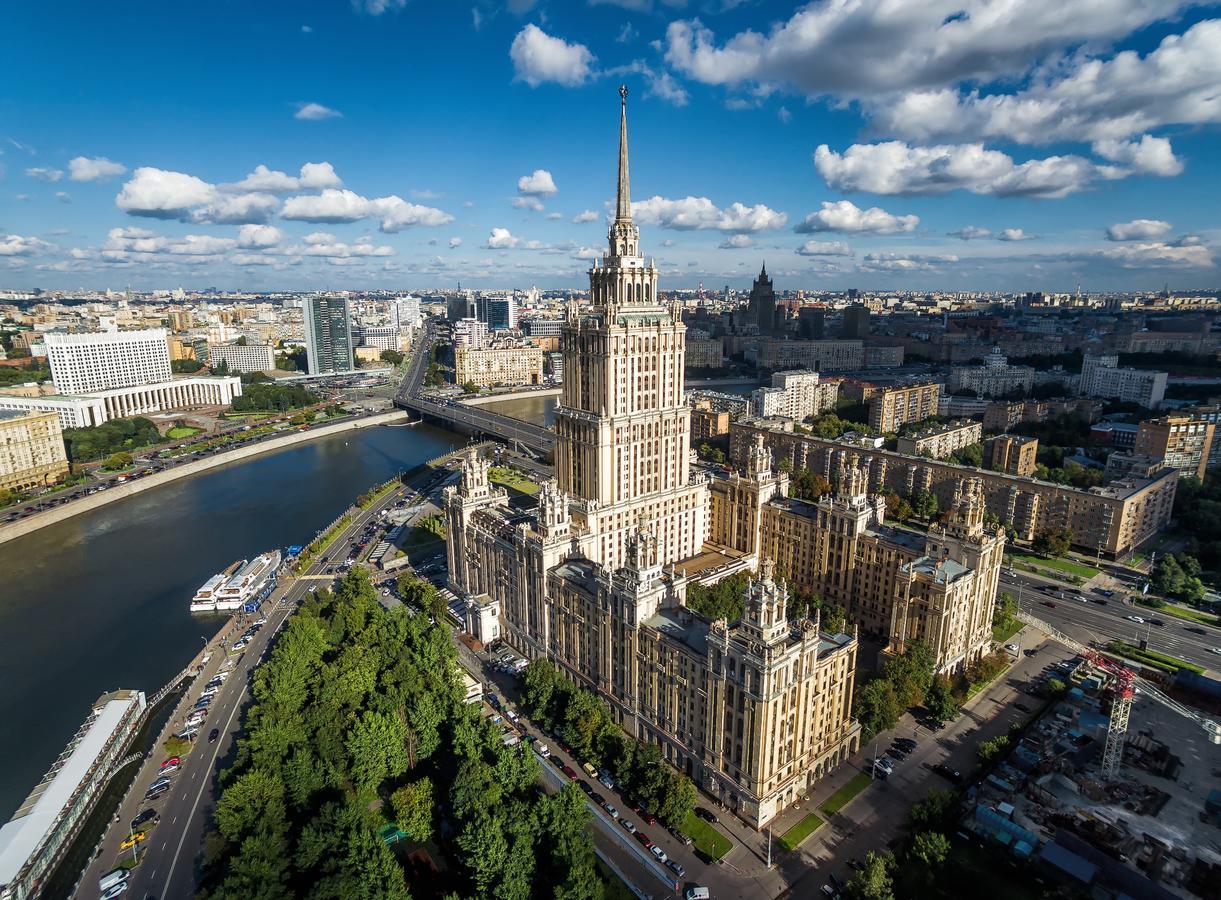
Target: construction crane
(1125, 685)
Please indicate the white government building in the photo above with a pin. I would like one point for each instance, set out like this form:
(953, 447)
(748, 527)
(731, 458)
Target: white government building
(106, 375)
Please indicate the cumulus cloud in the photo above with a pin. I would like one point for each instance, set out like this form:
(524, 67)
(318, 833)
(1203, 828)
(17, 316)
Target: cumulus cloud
(1138, 230)
(970, 233)
(1148, 156)
(844, 215)
(332, 206)
(502, 239)
(236, 209)
(18, 245)
(931, 43)
(1159, 255)
(1085, 98)
(894, 167)
(259, 236)
(1014, 234)
(455, 242)
(162, 194)
(587, 253)
(586, 215)
(538, 58)
(99, 168)
(532, 203)
(538, 183)
(905, 262)
(737, 242)
(377, 7)
(691, 213)
(313, 112)
(313, 176)
(824, 248)
(41, 173)
(63, 196)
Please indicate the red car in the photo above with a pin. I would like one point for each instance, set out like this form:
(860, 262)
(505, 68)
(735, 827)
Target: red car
(172, 761)
(1049, 604)
(644, 839)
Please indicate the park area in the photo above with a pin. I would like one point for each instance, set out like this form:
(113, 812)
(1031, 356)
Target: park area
(708, 841)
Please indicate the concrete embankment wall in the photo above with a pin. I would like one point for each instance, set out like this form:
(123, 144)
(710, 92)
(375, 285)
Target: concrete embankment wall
(131, 488)
(516, 395)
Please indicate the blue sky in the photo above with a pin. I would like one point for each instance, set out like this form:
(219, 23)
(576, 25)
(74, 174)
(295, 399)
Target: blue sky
(922, 144)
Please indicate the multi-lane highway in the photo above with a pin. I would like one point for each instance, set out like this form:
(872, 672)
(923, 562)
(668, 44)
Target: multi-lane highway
(1101, 619)
(168, 867)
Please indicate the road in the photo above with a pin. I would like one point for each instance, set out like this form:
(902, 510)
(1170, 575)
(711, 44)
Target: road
(1101, 619)
(169, 868)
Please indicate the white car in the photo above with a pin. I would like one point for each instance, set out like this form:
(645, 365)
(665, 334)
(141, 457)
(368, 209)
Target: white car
(659, 853)
(1137, 619)
(1012, 648)
(610, 810)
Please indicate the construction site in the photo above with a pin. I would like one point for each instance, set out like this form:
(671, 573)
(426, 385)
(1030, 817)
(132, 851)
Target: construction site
(1112, 791)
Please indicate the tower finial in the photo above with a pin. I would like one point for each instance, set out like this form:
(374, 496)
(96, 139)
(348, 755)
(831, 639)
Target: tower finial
(623, 206)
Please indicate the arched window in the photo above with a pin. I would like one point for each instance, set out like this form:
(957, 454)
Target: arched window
(648, 293)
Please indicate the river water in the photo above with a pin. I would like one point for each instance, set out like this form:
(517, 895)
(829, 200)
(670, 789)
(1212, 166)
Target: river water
(99, 601)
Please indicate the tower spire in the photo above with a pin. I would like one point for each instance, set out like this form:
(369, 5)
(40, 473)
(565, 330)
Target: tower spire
(623, 206)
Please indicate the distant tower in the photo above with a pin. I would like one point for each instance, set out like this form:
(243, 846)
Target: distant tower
(763, 303)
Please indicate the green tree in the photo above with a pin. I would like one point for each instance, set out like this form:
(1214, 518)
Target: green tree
(413, 805)
(469, 387)
(931, 848)
(931, 812)
(484, 852)
(539, 683)
(877, 707)
(925, 505)
(940, 701)
(1053, 542)
(393, 357)
(117, 461)
(378, 745)
(185, 366)
(992, 748)
(874, 881)
(723, 600)
(911, 673)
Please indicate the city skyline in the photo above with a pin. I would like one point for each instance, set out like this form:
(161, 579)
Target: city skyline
(988, 151)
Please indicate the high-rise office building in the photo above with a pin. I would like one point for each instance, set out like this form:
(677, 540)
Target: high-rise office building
(328, 334)
(104, 360)
(595, 579)
(763, 303)
(855, 326)
(501, 313)
(810, 323)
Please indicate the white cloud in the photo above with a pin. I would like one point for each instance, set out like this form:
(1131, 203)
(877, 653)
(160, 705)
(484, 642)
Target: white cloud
(538, 58)
(893, 167)
(307, 29)
(824, 248)
(1150, 155)
(1138, 230)
(63, 196)
(737, 242)
(665, 86)
(502, 239)
(1083, 98)
(539, 183)
(691, 213)
(846, 216)
(585, 215)
(236, 209)
(455, 242)
(313, 112)
(1014, 234)
(41, 173)
(201, 245)
(377, 7)
(587, 253)
(895, 262)
(99, 168)
(1159, 255)
(425, 194)
(259, 236)
(532, 203)
(17, 245)
(334, 205)
(784, 115)
(162, 194)
(627, 33)
(856, 49)
(555, 216)
(313, 176)
(971, 233)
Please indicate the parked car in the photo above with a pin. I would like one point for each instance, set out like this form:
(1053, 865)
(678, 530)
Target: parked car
(132, 839)
(172, 761)
(908, 743)
(149, 815)
(706, 815)
(610, 810)
(948, 772)
(677, 869)
(628, 825)
(643, 838)
(659, 853)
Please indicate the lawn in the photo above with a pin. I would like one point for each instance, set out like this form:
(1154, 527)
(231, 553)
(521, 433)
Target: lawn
(792, 838)
(1191, 615)
(512, 478)
(844, 795)
(707, 839)
(182, 431)
(1068, 566)
(1152, 658)
(1002, 633)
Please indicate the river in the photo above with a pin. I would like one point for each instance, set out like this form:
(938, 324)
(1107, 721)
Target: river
(99, 601)
(541, 410)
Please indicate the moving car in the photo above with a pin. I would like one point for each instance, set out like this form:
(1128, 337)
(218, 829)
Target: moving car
(1137, 619)
(213, 735)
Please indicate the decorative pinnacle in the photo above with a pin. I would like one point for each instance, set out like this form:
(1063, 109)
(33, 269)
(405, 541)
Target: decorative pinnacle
(623, 205)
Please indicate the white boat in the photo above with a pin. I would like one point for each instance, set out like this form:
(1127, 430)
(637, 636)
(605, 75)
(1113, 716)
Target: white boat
(205, 598)
(248, 581)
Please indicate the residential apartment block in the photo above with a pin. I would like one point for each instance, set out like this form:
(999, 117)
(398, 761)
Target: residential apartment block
(939, 441)
(31, 450)
(244, 357)
(795, 395)
(893, 407)
(1013, 454)
(1102, 377)
(100, 361)
(500, 363)
(1180, 442)
(822, 356)
(1111, 520)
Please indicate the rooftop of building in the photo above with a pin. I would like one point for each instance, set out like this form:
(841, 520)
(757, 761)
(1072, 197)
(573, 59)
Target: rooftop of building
(942, 428)
(941, 571)
(25, 832)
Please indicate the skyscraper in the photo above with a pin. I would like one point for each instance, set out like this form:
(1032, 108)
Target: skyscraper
(856, 323)
(104, 360)
(595, 578)
(328, 334)
(763, 303)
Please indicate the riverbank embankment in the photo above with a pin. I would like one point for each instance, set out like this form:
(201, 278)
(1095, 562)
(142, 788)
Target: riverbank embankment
(33, 523)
